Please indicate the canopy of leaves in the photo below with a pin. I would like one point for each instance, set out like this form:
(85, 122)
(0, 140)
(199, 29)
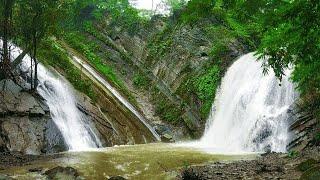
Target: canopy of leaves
(292, 38)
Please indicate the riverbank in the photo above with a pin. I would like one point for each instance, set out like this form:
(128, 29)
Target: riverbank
(304, 165)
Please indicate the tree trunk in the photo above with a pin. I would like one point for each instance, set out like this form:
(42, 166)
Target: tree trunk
(5, 66)
(7, 4)
(35, 62)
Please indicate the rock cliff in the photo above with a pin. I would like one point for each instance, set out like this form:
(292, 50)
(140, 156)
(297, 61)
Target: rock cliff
(25, 122)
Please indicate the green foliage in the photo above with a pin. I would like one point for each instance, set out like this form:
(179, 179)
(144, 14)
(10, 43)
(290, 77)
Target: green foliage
(167, 111)
(205, 87)
(90, 50)
(293, 154)
(140, 80)
(175, 4)
(219, 50)
(197, 9)
(77, 41)
(52, 54)
(291, 39)
(117, 12)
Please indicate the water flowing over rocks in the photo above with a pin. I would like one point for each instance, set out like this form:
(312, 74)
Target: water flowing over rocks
(26, 125)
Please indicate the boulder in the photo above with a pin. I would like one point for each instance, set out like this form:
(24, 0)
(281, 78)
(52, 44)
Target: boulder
(165, 133)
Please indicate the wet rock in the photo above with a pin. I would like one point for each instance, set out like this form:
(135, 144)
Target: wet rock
(190, 174)
(62, 173)
(54, 141)
(167, 137)
(38, 169)
(117, 178)
(165, 133)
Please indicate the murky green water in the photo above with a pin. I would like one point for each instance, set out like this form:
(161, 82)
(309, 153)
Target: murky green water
(150, 161)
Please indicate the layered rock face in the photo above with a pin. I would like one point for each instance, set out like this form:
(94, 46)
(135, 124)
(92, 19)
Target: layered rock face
(25, 122)
(303, 128)
(168, 58)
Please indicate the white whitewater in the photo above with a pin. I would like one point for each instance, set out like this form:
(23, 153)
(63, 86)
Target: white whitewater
(58, 93)
(250, 111)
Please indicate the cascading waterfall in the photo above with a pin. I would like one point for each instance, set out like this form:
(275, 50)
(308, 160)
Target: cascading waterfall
(250, 111)
(58, 94)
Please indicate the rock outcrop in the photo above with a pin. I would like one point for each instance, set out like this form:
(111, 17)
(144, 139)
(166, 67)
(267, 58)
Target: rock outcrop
(25, 122)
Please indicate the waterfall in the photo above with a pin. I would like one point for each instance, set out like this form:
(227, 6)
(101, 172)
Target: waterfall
(250, 110)
(59, 96)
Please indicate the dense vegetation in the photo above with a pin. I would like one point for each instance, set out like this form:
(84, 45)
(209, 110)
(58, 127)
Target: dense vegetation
(26, 23)
(51, 53)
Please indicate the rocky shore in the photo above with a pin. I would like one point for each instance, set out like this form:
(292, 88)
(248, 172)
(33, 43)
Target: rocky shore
(304, 165)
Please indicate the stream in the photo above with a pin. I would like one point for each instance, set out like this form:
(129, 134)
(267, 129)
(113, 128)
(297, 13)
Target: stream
(148, 161)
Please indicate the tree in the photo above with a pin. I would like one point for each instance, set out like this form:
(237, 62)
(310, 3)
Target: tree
(292, 38)
(6, 29)
(175, 4)
(197, 9)
(26, 23)
(37, 19)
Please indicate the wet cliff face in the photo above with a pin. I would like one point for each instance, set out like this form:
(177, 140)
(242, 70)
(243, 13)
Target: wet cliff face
(112, 122)
(161, 63)
(25, 122)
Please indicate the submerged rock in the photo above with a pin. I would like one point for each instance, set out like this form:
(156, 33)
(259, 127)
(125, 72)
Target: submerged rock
(62, 173)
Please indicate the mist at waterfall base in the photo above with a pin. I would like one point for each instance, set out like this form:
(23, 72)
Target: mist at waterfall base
(59, 96)
(250, 111)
